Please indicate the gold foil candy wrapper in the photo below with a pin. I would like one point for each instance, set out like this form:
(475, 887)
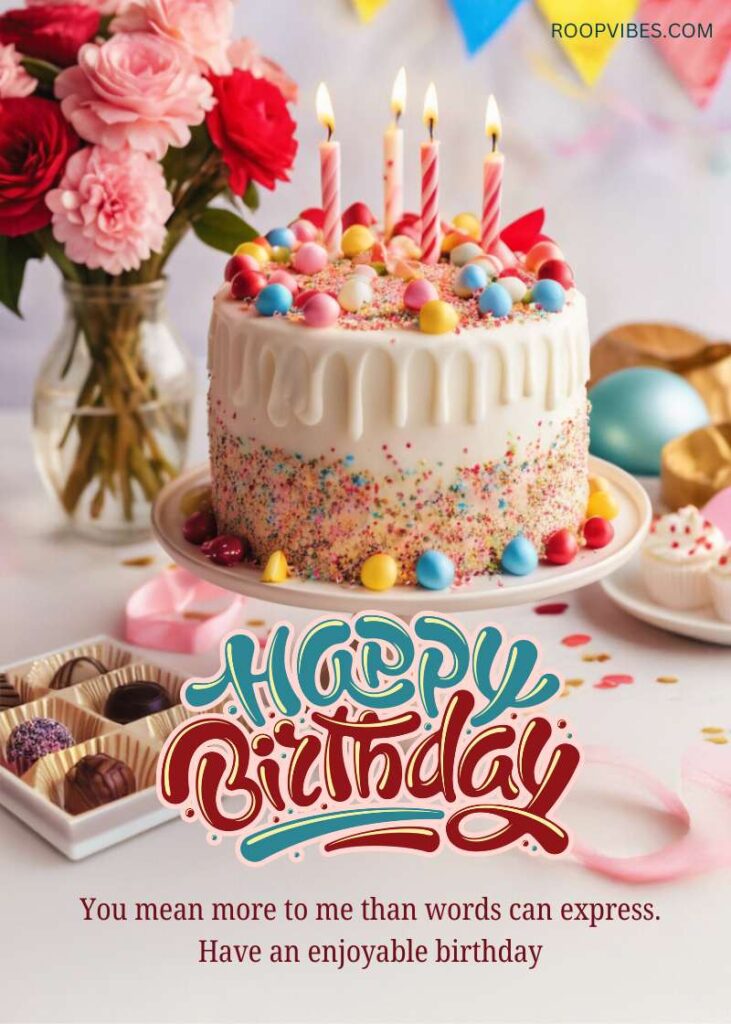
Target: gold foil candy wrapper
(704, 364)
(696, 466)
(47, 775)
(44, 669)
(93, 693)
(82, 725)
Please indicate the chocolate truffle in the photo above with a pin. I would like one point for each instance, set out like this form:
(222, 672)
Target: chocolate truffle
(9, 696)
(95, 780)
(34, 739)
(77, 670)
(136, 700)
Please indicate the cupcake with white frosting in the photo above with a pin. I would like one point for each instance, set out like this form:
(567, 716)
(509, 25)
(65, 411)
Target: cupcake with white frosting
(677, 558)
(719, 579)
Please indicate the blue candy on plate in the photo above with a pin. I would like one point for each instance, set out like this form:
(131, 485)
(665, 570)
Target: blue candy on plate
(435, 571)
(496, 300)
(520, 558)
(635, 412)
(548, 294)
(281, 238)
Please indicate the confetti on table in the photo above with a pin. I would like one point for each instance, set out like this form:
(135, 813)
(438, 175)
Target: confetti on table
(666, 679)
(717, 739)
(574, 682)
(576, 640)
(139, 563)
(613, 681)
(551, 609)
(596, 657)
(255, 622)
(198, 616)
(712, 730)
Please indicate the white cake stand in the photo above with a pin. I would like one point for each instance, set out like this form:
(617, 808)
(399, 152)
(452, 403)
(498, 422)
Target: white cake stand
(483, 592)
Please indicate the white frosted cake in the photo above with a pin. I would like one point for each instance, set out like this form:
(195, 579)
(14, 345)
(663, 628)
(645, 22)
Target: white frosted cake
(372, 435)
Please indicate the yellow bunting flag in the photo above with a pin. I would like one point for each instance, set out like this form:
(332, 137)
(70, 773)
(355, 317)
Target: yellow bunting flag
(368, 9)
(588, 30)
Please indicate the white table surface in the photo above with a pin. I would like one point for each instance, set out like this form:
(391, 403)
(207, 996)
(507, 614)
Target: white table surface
(57, 590)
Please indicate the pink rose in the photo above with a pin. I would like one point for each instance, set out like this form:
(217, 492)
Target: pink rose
(245, 55)
(110, 208)
(14, 79)
(136, 89)
(202, 27)
(103, 6)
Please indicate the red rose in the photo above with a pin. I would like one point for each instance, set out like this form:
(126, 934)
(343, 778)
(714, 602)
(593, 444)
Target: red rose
(252, 127)
(52, 32)
(35, 143)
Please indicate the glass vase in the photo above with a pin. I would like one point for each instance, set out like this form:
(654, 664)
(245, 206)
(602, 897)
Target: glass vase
(112, 408)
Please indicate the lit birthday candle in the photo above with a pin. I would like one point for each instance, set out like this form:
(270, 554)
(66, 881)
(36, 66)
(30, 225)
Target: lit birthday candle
(393, 158)
(492, 180)
(430, 230)
(329, 173)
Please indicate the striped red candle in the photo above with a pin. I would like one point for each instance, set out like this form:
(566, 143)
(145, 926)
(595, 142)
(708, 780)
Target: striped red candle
(492, 180)
(430, 224)
(329, 174)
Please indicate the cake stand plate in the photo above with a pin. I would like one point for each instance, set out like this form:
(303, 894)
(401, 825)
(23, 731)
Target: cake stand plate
(627, 590)
(480, 593)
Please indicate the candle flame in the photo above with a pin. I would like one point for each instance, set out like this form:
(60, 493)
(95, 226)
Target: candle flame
(324, 107)
(431, 108)
(398, 96)
(493, 124)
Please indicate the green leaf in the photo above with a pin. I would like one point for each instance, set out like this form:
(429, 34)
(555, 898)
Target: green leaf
(41, 69)
(222, 229)
(251, 196)
(14, 254)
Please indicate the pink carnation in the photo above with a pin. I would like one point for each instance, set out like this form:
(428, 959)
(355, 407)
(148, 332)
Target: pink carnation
(110, 208)
(245, 55)
(202, 27)
(136, 89)
(103, 6)
(15, 82)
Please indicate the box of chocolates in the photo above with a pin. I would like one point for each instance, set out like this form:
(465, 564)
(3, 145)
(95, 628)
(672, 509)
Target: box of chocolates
(80, 731)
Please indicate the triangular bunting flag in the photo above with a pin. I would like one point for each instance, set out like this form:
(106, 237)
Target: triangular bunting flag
(480, 19)
(588, 55)
(697, 62)
(368, 9)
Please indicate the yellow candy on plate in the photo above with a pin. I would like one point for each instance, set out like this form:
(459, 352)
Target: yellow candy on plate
(379, 572)
(438, 317)
(602, 504)
(599, 483)
(253, 249)
(469, 224)
(357, 239)
(276, 570)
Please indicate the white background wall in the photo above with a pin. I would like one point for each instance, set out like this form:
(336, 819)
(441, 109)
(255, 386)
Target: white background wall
(645, 219)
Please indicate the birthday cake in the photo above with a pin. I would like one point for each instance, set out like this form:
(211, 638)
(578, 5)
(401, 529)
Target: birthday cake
(374, 404)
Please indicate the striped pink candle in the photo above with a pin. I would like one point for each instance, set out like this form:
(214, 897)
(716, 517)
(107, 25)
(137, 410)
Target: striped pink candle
(329, 174)
(430, 225)
(492, 180)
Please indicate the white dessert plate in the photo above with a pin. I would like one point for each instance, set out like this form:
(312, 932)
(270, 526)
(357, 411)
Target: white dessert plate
(627, 590)
(483, 592)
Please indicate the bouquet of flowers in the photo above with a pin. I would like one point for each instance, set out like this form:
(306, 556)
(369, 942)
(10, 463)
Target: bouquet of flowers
(121, 121)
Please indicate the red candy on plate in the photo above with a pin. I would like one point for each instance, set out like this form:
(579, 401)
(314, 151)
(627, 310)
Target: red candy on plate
(561, 547)
(598, 532)
(200, 527)
(225, 550)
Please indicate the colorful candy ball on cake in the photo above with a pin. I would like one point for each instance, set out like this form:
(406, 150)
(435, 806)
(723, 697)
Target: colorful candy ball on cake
(310, 258)
(247, 285)
(520, 557)
(435, 571)
(379, 572)
(541, 252)
(549, 295)
(281, 238)
(635, 412)
(495, 300)
(469, 224)
(255, 250)
(358, 213)
(462, 254)
(355, 293)
(452, 239)
(561, 547)
(470, 280)
(417, 293)
(303, 230)
(438, 317)
(602, 504)
(239, 264)
(356, 240)
(288, 280)
(598, 532)
(366, 271)
(557, 270)
(490, 264)
(274, 300)
(515, 287)
(321, 310)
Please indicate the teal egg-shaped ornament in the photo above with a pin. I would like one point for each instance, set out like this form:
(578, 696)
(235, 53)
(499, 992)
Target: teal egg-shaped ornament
(635, 412)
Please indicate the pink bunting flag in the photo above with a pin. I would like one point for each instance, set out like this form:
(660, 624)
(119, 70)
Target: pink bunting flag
(697, 62)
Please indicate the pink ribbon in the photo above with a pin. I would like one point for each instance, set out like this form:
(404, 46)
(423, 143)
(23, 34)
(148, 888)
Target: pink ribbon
(696, 851)
(166, 613)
